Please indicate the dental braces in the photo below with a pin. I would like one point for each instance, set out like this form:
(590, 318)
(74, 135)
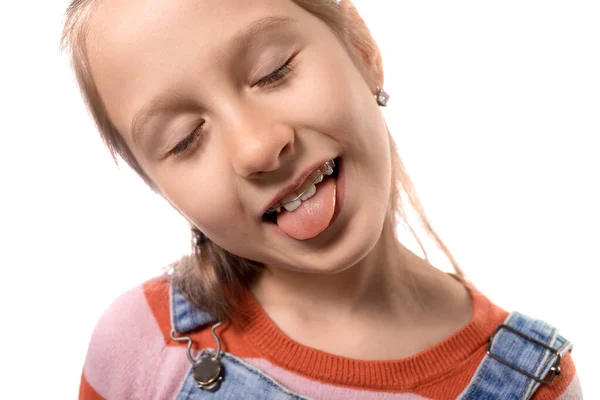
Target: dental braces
(325, 169)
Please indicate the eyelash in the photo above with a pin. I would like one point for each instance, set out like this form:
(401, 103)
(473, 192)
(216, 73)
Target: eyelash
(187, 142)
(270, 79)
(276, 75)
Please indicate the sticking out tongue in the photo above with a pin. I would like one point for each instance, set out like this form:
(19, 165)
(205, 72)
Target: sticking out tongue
(313, 216)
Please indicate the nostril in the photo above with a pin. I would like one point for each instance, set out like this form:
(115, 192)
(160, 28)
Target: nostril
(286, 149)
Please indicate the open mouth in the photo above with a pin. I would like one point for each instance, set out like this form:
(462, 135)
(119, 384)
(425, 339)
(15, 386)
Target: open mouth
(293, 201)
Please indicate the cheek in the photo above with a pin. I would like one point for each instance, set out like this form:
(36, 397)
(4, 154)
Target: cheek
(211, 206)
(334, 99)
(325, 95)
(204, 196)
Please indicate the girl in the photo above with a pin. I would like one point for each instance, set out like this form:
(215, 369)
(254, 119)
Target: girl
(259, 122)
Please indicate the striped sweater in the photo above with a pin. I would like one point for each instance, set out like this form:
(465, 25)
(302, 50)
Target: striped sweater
(131, 356)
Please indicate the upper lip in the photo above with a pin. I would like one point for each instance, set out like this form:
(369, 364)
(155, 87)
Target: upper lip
(297, 183)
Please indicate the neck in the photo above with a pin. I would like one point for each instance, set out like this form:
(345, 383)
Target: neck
(391, 295)
(390, 281)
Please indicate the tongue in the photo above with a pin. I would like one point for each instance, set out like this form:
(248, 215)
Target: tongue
(313, 216)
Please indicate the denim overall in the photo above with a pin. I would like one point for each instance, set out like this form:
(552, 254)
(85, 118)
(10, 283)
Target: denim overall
(523, 354)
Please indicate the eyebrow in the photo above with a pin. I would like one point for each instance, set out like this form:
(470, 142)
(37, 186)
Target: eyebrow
(240, 41)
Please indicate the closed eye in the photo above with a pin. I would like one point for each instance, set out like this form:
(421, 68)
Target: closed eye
(187, 142)
(276, 75)
(270, 79)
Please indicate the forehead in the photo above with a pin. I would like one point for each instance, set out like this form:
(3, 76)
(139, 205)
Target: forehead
(121, 24)
(137, 47)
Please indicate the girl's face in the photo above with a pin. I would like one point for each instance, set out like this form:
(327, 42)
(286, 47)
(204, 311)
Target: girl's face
(228, 105)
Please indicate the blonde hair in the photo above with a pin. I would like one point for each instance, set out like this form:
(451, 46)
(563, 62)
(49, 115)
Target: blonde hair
(209, 271)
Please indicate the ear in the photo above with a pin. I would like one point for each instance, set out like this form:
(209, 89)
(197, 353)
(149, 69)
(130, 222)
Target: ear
(363, 48)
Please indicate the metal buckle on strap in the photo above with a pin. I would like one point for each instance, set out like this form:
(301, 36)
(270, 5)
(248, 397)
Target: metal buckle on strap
(554, 370)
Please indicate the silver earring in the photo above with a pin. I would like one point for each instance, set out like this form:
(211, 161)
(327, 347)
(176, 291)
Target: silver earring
(382, 97)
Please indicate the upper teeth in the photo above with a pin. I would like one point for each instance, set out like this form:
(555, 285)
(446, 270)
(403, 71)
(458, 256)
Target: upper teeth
(310, 192)
(294, 200)
(291, 205)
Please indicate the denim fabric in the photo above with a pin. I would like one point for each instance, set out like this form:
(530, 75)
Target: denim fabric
(185, 317)
(494, 380)
(240, 381)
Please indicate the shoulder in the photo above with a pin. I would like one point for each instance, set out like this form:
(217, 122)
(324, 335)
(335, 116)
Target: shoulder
(128, 343)
(136, 311)
(523, 342)
(565, 386)
(521, 351)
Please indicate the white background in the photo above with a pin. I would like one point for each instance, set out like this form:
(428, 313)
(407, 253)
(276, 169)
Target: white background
(496, 110)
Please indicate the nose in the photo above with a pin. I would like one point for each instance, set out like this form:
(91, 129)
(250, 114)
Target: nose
(257, 143)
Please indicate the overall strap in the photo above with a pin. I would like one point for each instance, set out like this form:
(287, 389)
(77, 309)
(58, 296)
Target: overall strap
(523, 353)
(185, 317)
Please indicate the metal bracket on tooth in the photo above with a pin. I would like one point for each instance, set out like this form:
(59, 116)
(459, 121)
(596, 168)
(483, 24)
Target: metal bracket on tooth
(329, 166)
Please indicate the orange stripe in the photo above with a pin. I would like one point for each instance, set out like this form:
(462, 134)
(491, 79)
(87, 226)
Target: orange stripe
(156, 292)
(86, 391)
(237, 339)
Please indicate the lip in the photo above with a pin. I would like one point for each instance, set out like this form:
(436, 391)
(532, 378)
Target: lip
(296, 185)
(332, 231)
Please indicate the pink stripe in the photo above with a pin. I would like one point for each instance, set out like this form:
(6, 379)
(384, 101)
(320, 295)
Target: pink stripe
(318, 390)
(128, 357)
(573, 392)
